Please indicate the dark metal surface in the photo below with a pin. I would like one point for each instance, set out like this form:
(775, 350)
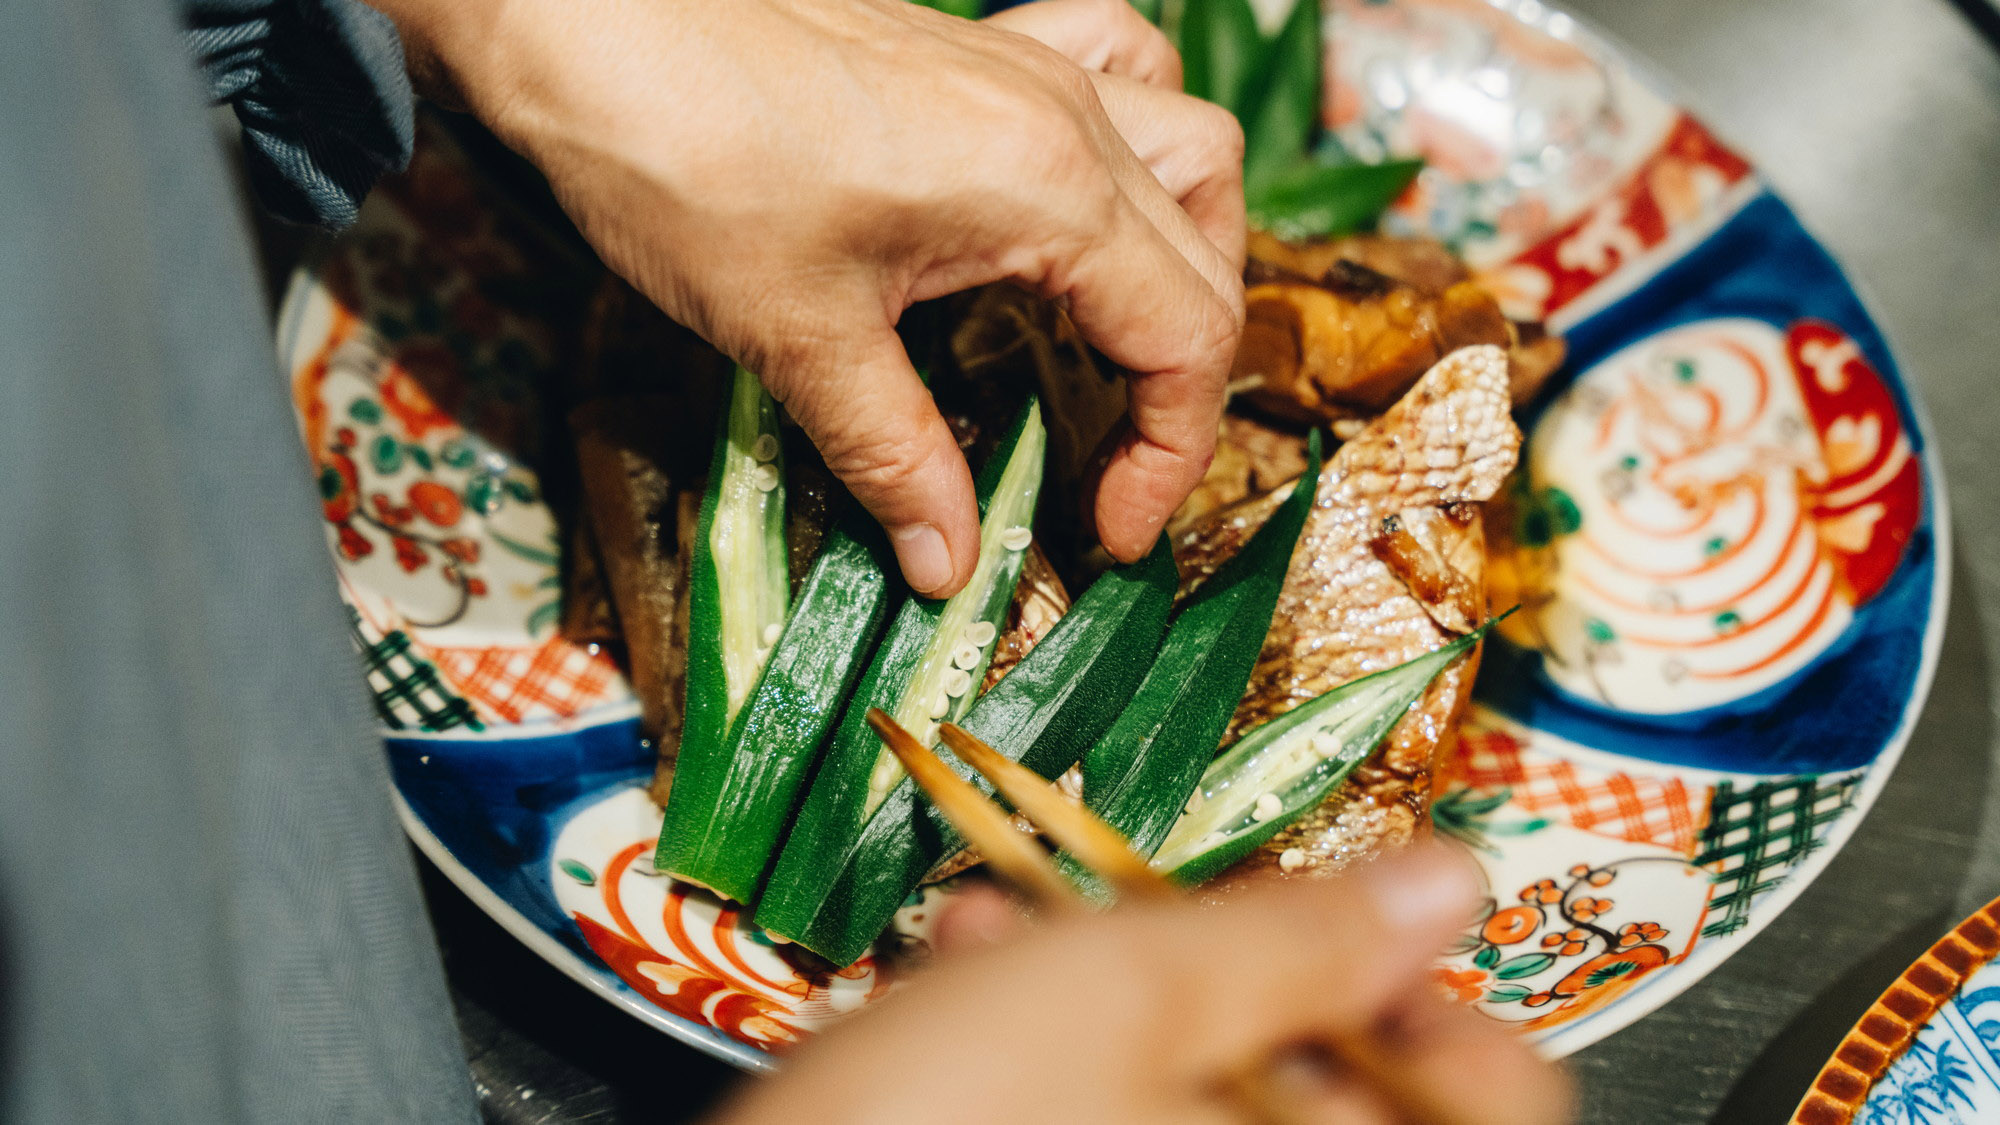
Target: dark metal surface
(1880, 121)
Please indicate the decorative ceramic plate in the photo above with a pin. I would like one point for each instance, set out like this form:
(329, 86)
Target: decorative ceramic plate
(1928, 1051)
(1725, 538)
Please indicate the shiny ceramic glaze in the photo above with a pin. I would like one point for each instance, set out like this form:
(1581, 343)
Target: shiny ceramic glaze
(1728, 517)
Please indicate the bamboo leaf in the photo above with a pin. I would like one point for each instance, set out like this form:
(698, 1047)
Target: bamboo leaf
(1221, 50)
(1326, 200)
(1280, 104)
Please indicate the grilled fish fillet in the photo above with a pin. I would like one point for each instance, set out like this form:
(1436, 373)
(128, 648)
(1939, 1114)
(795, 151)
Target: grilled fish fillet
(1389, 566)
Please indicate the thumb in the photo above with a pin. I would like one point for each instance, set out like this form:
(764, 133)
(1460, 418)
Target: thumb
(882, 436)
(1359, 944)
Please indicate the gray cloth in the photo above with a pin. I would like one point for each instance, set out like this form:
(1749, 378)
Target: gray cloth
(320, 89)
(206, 911)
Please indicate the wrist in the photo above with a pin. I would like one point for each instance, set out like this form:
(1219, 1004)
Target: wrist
(441, 44)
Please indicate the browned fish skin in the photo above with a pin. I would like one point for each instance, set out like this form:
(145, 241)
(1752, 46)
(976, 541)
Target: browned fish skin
(1251, 457)
(633, 503)
(1344, 612)
(587, 615)
(1039, 602)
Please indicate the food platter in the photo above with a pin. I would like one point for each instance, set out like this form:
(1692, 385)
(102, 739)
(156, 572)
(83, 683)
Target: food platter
(1927, 1052)
(1725, 543)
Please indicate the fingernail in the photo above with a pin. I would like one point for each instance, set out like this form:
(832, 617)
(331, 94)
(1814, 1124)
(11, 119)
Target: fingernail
(926, 561)
(1422, 889)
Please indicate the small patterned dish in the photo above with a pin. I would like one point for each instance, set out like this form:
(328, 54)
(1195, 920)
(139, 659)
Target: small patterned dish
(1928, 1051)
(1730, 517)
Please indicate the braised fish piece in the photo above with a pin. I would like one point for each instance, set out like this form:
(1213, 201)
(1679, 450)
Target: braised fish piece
(587, 614)
(1408, 482)
(1425, 263)
(1314, 352)
(633, 503)
(1252, 456)
(1389, 307)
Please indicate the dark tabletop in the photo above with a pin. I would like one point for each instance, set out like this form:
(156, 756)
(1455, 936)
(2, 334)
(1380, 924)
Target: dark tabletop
(1880, 121)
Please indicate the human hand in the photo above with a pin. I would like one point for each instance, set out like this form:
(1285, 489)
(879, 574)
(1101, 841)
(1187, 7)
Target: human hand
(1156, 1013)
(787, 176)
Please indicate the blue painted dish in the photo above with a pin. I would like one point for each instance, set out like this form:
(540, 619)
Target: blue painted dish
(1729, 518)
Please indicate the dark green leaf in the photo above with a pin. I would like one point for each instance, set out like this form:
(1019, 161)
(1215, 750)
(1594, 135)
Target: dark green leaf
(330, 483)
(1463, 943)
(1526, 965)
(1507, 993)
(1325, 200)
(419, 456)
(521, 490)
(1487, 957)
(1280, 103)
(364, 410)
(577, 871)
(386, 454)
(1221, 50)
(458, 454)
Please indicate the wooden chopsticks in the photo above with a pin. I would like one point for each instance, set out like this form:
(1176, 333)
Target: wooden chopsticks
(1021, 861)
(1017, 856)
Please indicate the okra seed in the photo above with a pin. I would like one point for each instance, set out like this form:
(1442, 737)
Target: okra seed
(774, 630)
(766, 478)
(1194, 802)
(1291, 859)
(1325, 745)
(941, 706)
(1016, 538)
(776, 939)
(1268, 806)
(966, 656)
(958, 683)
(981, 633)
(765, 447)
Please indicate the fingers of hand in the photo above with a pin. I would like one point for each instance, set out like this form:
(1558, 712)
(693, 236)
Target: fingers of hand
(1134, 296)
(1104, 35)
(1468, 1061)
(1303, 961)
(1193, 148)
(978, 916)
(881, 434)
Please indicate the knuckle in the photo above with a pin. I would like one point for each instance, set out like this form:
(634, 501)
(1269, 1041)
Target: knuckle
(1225, 135)
(879, 460)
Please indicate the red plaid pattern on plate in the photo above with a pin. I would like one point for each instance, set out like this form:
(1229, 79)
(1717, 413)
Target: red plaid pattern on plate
(1649, 810)
(514, 684)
